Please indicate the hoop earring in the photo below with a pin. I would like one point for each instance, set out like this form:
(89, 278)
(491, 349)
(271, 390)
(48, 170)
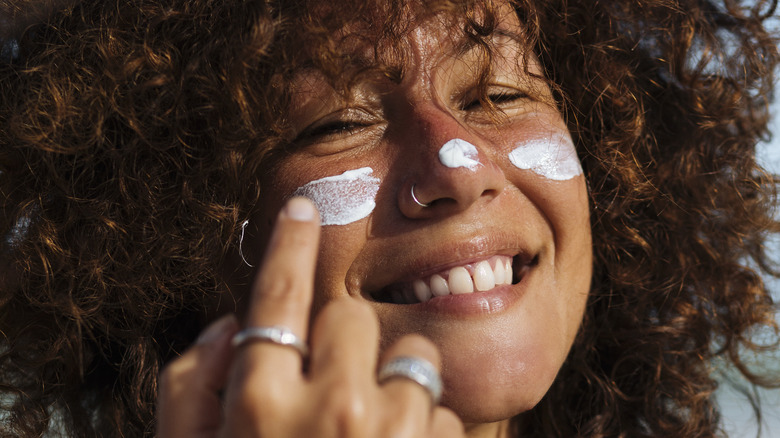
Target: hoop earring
(241, 243)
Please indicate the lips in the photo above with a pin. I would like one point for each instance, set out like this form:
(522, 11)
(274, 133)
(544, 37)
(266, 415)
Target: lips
(479, 276)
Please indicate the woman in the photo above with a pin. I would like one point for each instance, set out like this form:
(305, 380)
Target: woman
(154, 161)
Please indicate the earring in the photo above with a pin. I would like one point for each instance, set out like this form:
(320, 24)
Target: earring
(241, 243)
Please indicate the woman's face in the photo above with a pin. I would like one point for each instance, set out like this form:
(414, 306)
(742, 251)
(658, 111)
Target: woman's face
(507, 190)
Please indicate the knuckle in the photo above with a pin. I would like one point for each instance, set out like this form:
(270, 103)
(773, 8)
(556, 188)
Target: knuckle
(347, 411)
(280, 289)
(252, 407)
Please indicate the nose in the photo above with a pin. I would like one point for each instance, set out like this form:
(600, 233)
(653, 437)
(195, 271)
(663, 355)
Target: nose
(448, 170)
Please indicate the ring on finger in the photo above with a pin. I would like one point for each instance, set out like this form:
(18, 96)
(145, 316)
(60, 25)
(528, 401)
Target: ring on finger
(278, 335)
(418, 370)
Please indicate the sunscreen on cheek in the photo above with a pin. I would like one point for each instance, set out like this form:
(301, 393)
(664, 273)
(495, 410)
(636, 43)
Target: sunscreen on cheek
(552, 157)
(343, 199)
(459, 153)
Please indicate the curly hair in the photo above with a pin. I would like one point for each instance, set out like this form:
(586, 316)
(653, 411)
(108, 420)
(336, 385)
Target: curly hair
(133, 134)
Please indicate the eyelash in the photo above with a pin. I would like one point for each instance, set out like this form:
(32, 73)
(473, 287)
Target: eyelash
(332, 128)
(497, 99)
(346, 127)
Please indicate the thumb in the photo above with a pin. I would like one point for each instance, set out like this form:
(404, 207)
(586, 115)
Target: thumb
(188, 403)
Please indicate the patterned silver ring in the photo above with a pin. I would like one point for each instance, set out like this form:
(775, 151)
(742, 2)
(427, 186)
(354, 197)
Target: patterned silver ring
(418, 370)
(417, 201)
(274, 334)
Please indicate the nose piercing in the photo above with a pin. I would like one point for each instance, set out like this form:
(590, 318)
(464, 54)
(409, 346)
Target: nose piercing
(417, 201)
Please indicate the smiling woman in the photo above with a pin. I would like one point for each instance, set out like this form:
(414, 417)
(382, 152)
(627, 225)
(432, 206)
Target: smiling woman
(532, 218)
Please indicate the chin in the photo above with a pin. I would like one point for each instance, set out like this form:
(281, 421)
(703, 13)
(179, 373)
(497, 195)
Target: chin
(489, 386)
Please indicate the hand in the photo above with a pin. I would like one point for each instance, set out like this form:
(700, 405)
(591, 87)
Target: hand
(267, 393)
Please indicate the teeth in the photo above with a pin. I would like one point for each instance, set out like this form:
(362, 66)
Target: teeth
(484, 278)
(439, 286)
(499, 272)
(422, 291)
(460, 280)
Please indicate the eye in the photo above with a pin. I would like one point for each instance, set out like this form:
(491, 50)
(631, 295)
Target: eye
(337, 125)
(498, 99)
(331, 128)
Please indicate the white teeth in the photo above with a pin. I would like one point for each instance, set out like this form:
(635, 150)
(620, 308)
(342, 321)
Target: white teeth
(422, 291)
(499, 272)
(484, 279)
(460, 281)
(439, 286)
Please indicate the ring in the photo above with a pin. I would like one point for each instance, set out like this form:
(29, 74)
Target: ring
(418, 370)
(274, 334)
(417, 201)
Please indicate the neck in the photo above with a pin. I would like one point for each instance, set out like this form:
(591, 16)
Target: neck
(498, 429)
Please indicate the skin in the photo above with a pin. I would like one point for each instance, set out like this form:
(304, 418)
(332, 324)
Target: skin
(500, 350)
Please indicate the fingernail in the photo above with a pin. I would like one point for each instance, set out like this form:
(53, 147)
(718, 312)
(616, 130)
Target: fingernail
(299, 209)
(217, 329)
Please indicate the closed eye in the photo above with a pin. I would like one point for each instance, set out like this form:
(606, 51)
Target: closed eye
(339, 124)
(331, 128)
(498, 99)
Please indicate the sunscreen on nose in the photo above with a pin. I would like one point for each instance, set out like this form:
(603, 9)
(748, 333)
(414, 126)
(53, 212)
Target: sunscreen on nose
(459, 153)
(345, 198)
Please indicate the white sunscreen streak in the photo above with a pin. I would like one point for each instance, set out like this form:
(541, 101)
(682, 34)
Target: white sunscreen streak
(552, 157)
(459, 153)
(343, 199)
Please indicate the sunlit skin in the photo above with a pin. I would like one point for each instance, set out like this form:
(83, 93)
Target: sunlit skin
(501, 349)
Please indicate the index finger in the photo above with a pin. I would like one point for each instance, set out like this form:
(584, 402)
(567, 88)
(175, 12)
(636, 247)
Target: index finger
(283, 288)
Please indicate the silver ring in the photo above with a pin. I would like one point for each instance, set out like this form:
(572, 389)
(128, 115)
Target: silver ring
(417, 201)
(418, 370)
(274, 334)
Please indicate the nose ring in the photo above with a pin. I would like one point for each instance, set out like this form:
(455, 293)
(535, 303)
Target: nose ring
(417, 201)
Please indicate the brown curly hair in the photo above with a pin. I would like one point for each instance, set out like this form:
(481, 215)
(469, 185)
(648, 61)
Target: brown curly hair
(133, 135)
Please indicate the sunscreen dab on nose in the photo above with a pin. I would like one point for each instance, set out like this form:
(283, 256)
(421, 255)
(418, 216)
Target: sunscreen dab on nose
(459, 153)
(552, 157)
(343, 199)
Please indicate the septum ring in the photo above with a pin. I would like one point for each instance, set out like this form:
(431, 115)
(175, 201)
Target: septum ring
(274, 334)
(418, 370)
(417, 201)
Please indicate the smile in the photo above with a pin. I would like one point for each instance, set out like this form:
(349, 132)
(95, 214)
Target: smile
(480, 276)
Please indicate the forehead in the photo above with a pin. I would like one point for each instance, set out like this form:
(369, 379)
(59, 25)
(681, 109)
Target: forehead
(366, 50)
(349, 38)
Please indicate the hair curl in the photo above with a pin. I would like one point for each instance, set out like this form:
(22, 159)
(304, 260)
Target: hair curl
(132, 135)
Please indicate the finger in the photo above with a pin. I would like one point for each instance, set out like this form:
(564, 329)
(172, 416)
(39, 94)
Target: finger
(188, 403)
(345, 341)
(445, 424)
(414, 399)
(282, 291)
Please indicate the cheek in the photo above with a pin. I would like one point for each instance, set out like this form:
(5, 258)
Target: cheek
(551, 156)
(343, 199)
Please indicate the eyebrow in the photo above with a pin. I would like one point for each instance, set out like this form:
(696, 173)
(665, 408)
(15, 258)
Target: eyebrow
(467, 44)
